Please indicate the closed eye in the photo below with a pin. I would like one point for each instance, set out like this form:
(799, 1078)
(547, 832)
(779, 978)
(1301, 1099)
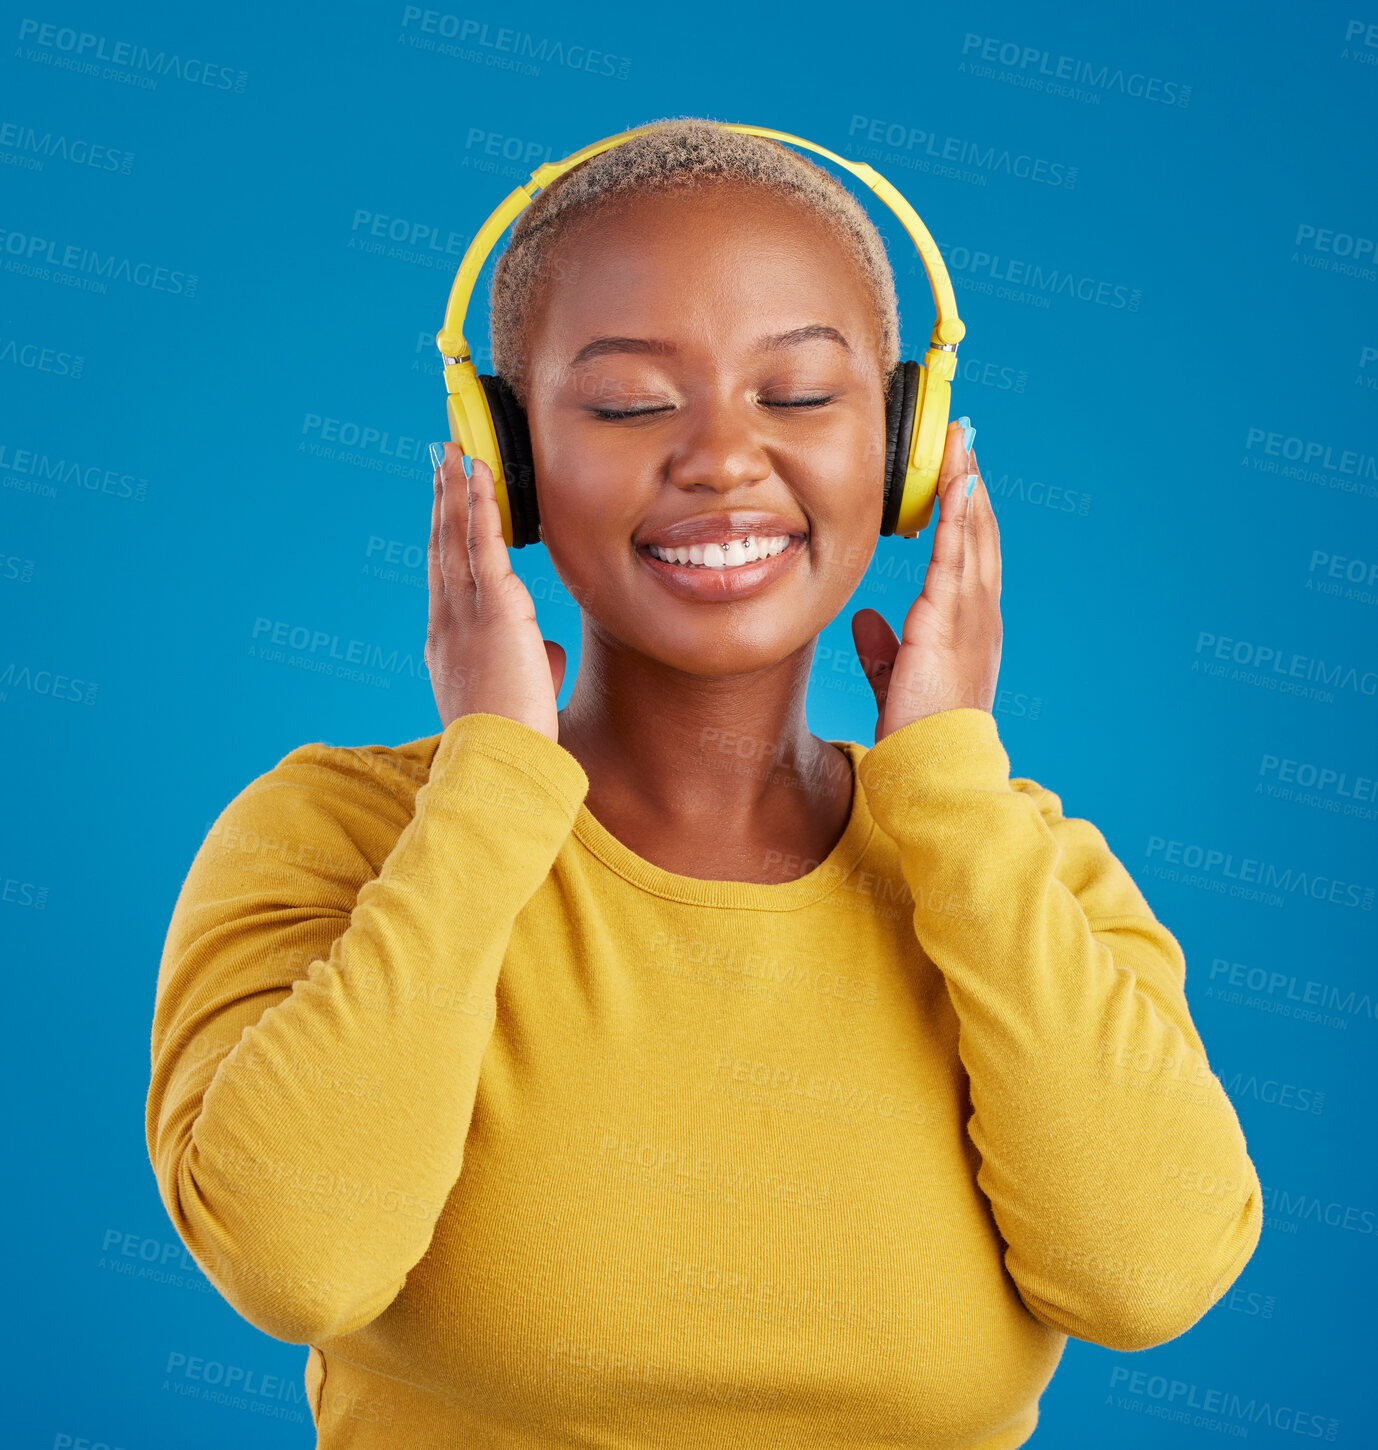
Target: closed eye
(614, 414)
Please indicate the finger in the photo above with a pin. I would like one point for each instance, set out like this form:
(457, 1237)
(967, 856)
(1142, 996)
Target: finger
(978, 512)
(454, 524)
(488, 556)
(948, 560)
(986, 533)
(435, 579)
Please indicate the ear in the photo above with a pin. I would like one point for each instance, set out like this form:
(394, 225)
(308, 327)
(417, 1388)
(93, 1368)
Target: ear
(876, 647)
(555, 653)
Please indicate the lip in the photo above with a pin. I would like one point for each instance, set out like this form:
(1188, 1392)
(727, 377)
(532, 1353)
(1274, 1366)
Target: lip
(723, 586)
(720, 527)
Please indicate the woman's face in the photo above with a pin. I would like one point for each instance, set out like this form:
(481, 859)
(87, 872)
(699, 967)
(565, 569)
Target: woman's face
(736, 412)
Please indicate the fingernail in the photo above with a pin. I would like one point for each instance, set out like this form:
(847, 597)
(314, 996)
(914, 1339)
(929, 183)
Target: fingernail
(468, 465)
(968, 432)
(971, 482)
(437, 454)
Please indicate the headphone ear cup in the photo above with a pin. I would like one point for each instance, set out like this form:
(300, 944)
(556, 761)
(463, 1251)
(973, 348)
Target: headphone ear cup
(899, 432)
(514, 449)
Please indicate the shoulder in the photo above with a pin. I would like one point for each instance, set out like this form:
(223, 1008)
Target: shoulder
(324, 814)
(1049, 804)
(295, 846)
(378, 776)
(378, 773)
(1085, 863)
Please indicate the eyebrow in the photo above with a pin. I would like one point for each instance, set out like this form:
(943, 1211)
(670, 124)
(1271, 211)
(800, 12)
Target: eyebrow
(815, 331)
(603, 346)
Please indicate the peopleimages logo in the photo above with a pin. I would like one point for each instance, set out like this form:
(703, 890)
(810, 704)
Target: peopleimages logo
(41, 359)
(32, 151)
(935, 147)
(1249, 873)
(1292, 1002)
(32, 256)
(1207, 1408)
(78, 50)
(1361, 42)
(1032, 61)
(235, 1387)
(1304, 1206)
(1049, 280)
(1310, 453)
(1277, 661)
(1338, 244)
(505, 47)
(1326, 250)
(29, 471)
(1324, 779)
(279, 633)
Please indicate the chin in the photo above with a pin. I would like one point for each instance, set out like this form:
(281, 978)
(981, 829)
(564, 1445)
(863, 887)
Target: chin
(702, 649)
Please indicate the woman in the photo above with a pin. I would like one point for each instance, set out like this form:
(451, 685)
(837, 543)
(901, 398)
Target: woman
(653, 1072)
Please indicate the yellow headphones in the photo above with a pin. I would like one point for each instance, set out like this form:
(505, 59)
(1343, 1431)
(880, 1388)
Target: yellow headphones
(488, 423)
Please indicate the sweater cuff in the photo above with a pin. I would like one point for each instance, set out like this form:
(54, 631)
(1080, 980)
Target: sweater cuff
(951, 750)
(540, 759)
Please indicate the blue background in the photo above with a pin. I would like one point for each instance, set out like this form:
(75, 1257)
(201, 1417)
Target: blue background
(183, 505)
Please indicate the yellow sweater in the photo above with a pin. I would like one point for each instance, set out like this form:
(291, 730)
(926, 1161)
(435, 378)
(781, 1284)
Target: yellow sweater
(537, 1144)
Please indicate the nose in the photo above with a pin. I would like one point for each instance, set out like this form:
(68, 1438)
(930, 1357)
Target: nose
(718, 445)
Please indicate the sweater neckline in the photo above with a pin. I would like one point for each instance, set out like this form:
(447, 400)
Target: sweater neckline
(743, 895)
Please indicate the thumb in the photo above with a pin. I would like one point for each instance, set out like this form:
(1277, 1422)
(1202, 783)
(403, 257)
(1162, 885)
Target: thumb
(555, 653)
(876, 647)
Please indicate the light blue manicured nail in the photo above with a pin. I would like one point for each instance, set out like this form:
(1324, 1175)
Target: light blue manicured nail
(968, 432)
(971, 482)
(468, 465)
(437, 454)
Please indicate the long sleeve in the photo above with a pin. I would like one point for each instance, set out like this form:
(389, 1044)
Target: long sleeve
(1114, 1163)
(325, 997)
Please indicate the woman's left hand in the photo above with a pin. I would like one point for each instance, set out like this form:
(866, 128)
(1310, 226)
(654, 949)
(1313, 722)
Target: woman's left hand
(949, 655)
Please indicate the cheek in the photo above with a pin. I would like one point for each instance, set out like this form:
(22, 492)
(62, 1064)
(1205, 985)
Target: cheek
(845, 501)
(594, 492)
(573, 487)
(848, 454)
(840, 473)
(584, 527)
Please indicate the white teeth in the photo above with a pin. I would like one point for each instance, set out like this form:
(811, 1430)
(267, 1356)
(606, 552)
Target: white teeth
(729, 556)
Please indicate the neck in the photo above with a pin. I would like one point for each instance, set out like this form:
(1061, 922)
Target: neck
(656, 739)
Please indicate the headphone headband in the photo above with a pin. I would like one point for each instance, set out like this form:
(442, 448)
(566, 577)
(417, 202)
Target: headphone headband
(948, 331)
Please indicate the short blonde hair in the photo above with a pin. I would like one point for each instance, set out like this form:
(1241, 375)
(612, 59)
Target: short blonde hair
(681, 154)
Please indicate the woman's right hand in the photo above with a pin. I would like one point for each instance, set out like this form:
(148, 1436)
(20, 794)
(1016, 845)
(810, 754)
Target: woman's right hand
(484, 648)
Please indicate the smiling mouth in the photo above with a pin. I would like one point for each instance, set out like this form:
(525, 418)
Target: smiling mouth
(725, 582)
(729, 554)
